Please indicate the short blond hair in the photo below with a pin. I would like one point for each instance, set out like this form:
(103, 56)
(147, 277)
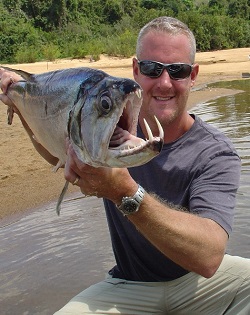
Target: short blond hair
(170, 26)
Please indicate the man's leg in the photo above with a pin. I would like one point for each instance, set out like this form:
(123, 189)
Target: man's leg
(227, 292)
(241, 302)
(116, 296)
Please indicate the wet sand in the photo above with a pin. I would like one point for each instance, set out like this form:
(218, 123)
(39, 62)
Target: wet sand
(26, 180)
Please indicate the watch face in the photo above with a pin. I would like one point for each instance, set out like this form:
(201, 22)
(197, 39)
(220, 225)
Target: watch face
(130, 206)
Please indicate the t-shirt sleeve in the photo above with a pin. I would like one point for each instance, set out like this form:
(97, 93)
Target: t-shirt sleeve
(213, 192)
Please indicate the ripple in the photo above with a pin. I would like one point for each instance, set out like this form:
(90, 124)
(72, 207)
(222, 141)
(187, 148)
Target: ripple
(42, 251)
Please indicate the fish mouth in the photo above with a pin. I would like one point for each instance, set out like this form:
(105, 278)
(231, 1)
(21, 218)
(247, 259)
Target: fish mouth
(104, 131)
(124, 142)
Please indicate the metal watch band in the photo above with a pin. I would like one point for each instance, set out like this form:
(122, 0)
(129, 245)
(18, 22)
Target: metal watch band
(131, 205)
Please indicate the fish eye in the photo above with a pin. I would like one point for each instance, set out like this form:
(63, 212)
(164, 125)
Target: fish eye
(105, 104)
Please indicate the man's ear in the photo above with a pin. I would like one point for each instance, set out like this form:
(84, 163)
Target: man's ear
(135, 68)
(194, 73)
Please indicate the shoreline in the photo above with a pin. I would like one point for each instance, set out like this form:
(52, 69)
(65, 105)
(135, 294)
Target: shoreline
(26, 180)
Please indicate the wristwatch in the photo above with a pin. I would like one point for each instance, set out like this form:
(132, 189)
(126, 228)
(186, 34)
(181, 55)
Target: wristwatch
(131, 205)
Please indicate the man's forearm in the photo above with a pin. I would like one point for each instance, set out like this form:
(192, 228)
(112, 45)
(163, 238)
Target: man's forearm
(196, 244)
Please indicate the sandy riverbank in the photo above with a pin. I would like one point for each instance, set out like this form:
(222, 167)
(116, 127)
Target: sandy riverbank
(26, 179)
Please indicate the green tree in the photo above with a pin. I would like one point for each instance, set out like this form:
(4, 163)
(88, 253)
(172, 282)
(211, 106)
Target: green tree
(217, 7)
(77, 28)
(151, 4)
(239, 8)
(15, 32)
(112, 10)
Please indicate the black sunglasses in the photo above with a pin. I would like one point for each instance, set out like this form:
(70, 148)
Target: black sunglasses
(154, 69)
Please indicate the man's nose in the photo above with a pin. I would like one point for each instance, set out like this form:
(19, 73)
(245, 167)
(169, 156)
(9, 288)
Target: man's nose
(164, 79)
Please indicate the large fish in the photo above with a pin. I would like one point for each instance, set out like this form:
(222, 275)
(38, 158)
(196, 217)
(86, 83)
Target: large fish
(98, 112)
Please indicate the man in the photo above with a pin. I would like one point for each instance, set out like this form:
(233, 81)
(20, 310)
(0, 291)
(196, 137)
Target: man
(169, 238)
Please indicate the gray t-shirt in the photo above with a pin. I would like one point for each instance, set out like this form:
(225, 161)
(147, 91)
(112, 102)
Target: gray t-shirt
(200, 172)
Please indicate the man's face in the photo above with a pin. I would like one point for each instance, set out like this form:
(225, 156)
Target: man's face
(164, 97)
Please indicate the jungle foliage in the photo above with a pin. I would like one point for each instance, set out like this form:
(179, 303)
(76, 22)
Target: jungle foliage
(33, 30)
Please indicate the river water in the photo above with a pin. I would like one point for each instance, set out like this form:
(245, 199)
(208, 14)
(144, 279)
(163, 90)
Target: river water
(45, 259)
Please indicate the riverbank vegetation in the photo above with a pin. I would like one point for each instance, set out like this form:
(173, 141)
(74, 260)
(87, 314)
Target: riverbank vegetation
(34, 30)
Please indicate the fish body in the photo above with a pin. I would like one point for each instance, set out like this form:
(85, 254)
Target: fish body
(98, 112)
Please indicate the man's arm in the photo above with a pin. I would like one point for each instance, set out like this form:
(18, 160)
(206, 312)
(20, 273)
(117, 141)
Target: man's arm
(195, 243)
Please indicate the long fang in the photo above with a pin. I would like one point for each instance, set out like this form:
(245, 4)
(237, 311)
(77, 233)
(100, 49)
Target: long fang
(149, 132)
(161, 132)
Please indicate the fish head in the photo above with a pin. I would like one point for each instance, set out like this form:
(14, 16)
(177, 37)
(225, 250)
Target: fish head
(103, 124)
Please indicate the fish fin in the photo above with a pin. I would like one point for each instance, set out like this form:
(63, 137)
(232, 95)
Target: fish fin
(10, 114)
(57, 166)
(60, 199)
(25, 75)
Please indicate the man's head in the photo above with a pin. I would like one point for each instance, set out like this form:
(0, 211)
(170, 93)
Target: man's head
(165, 69)
(167, 25)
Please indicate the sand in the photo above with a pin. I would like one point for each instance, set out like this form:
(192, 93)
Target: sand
(26, 180)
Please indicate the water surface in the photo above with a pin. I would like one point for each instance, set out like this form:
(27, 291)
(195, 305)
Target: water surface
(46, 259)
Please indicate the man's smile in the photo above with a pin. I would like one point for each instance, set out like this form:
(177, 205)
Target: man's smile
(161, 98)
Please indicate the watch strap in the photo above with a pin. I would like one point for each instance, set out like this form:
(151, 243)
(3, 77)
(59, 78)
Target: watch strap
(131, 205)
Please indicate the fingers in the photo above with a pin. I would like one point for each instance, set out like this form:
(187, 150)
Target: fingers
(75, 163)
(80, 174)
(97, 181)
(69, 172)
(7, 78)
(74, 169)
(79, 179)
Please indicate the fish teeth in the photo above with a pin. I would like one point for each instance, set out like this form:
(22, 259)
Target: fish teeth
(130, 147)
(149, 132)
(161, 132)
(138, 93)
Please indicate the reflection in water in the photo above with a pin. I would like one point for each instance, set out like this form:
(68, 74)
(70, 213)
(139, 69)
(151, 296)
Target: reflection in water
(45, 259)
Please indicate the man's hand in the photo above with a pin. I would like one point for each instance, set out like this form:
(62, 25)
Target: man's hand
(103, 182)
(6, 79)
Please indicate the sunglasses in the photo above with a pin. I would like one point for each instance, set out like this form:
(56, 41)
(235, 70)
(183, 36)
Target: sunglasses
(154, 69)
